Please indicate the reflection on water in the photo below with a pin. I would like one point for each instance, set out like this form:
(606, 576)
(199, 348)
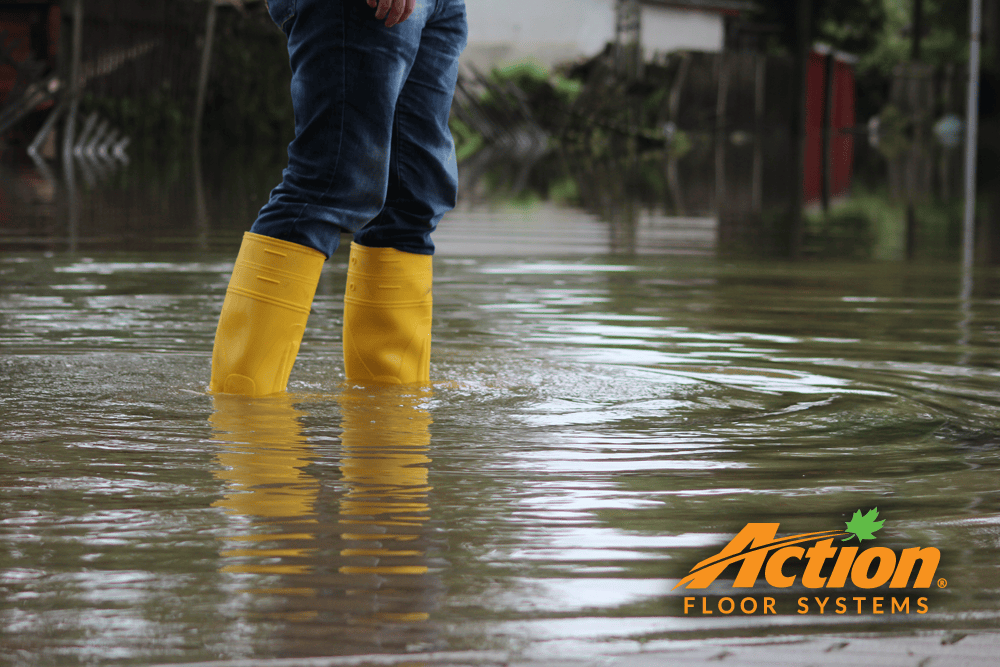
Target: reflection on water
(544, 202)
(384, 510)
(611, 403)
(385, 470)
(150, 204)
(261, 461)
(597, 426)
(282, 540)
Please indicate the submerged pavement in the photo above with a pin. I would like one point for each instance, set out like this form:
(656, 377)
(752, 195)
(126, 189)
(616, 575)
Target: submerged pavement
(951, 649)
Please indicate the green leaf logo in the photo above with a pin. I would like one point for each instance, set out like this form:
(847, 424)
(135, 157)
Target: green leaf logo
(862, 527)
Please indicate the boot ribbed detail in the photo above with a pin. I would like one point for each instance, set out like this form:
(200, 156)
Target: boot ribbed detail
(387, 316)
(264, 315)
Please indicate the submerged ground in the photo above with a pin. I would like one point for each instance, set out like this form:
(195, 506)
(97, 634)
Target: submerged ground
(604, 415)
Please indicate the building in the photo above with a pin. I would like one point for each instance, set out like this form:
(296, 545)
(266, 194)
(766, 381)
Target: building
(560, 30)
(687, 25)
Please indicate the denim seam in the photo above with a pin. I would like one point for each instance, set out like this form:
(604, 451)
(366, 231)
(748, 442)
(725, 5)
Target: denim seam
(289, 17)
(343, 102)
(396, 138)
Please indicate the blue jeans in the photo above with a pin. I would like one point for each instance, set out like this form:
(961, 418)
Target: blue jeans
(372, 153)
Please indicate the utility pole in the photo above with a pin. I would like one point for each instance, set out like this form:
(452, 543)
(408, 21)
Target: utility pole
(803, 31)
(971, 137)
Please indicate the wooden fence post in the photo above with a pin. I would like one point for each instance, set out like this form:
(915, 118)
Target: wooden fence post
(725, 65)
(73, 89)
(760, 72)
(206, 63)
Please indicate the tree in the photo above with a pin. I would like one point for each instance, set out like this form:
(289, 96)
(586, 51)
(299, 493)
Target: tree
(849, 25)
(878, 32)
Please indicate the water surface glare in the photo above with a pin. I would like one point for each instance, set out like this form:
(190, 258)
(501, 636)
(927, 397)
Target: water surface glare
(596, 426)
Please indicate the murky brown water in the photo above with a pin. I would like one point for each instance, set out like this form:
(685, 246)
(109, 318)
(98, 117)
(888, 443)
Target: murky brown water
(599, 423)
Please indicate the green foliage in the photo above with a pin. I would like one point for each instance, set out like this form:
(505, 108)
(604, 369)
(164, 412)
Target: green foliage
(157, 122)
(247, 99)
(853, 26)
(844, 232)
(681, 144)
(945, 35)
(564, 190)
(870, 224)
(877, 31)
(940, 227)
(568, 89)
(546, 92)
(546, 95)
(895, 128)
(522, 72)
(655, 101)
(467, 140)
(526, 199)
(248, 94)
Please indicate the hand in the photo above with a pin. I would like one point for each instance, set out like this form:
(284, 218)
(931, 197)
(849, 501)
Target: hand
(393, 11)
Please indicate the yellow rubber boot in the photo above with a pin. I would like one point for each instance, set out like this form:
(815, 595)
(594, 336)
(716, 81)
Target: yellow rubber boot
(264, 315)
(387, 316)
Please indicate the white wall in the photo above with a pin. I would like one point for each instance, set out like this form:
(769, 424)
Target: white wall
(666, 29)
(549, 30)
(554, 31)
(585, 23)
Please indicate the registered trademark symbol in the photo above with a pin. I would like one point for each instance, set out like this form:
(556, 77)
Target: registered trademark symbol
(942, 583)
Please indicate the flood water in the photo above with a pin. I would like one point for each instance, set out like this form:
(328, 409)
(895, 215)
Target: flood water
(601, 419)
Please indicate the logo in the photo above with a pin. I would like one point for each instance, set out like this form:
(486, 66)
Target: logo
(817, 561)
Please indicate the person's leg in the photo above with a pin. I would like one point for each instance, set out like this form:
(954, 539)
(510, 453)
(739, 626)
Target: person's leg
(423, 173)
(347, 72)
(388, 304)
